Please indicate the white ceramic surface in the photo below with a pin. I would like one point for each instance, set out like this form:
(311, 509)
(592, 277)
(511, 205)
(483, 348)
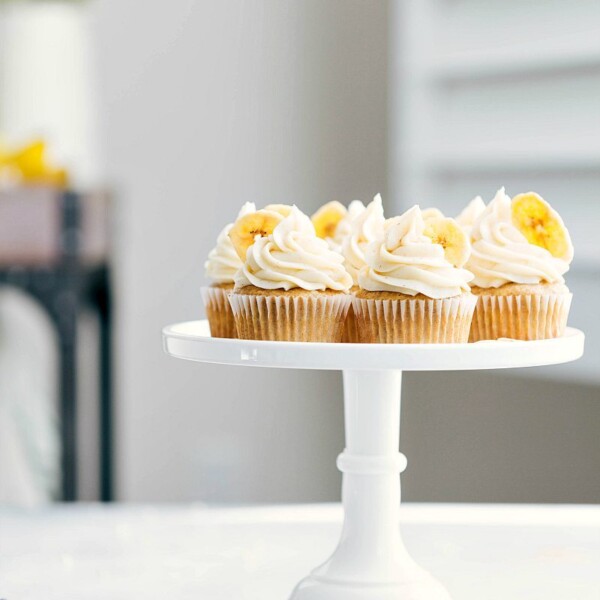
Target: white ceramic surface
(192, 341)
(370, 561)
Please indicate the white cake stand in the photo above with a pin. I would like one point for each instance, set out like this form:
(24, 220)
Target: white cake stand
(370, 561)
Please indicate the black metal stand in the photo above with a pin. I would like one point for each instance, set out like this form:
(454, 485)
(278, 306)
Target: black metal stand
(64, 290)
(100, 298)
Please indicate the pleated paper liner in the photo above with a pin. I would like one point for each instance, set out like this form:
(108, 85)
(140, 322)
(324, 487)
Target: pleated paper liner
(350, 334)
(414, 321)
(520, 317)
(290, 317)
(218, 311)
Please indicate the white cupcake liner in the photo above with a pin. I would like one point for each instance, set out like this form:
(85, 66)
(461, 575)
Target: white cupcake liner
(218, 312)
(414, 321)
(350, 334)
(290, 318)
(520, 317)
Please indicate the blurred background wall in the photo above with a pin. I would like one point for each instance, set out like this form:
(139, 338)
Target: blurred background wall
(487, 94)
(203, 105)
(207, 105)
(211, 104)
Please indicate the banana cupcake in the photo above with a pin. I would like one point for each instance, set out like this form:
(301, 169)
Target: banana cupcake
(283, 209)
(413, 288)
(333, 222)
(292, 286)
(432, 214)
(520, 252)
(361, 230)
(364, 229)
(222, 264)
(470, 213)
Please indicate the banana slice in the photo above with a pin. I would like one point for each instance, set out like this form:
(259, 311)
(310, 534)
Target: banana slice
(327, 218)
(431, 213)
(541, 225)
(244, 231)
(450, 235)
(283, 209)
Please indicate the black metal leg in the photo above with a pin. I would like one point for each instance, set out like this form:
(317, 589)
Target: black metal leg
(66, 326)
(103, 300)
(62, 288)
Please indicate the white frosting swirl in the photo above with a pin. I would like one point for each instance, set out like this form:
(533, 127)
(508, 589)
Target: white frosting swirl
(470, 213)
(223, 261)
(501, 254)
(431, 213)
(293, 257)
(344, 227)
(405, 260)
(364, 229)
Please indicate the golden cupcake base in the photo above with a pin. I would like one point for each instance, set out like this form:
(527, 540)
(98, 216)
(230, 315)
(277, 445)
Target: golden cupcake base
(390, 318)
(294, 315)
(520, 312)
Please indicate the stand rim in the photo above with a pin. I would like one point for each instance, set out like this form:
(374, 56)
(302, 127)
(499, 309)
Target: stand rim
(191, 341)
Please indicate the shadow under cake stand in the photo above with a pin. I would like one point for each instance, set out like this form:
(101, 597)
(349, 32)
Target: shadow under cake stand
(370, 561)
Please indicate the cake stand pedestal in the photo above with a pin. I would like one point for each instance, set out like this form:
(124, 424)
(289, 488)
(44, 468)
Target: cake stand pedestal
(370, 561)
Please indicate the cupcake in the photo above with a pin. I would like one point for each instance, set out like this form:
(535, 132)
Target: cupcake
(222, 264)
(291, 286)
(361, 230)
(333, 222)
(466, 219)
(432, 214)
(520, 252)
(413, 288)
(364, 229)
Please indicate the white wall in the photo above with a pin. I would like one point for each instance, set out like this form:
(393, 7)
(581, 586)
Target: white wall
(485, 94)
(495, 93)
(206, 105)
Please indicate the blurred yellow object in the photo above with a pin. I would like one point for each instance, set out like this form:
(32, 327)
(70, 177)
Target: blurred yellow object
(29, 165)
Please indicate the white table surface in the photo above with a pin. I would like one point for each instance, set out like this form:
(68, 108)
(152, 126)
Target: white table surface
(482, 552)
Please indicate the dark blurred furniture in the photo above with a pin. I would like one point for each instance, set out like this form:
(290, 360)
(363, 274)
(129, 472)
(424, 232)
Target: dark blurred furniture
(54, 247)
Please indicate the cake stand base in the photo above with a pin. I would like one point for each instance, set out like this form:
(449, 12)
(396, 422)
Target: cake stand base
(423, 588)
(370, 561)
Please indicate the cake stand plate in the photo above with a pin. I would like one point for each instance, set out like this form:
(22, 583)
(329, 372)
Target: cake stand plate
(370, 561)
